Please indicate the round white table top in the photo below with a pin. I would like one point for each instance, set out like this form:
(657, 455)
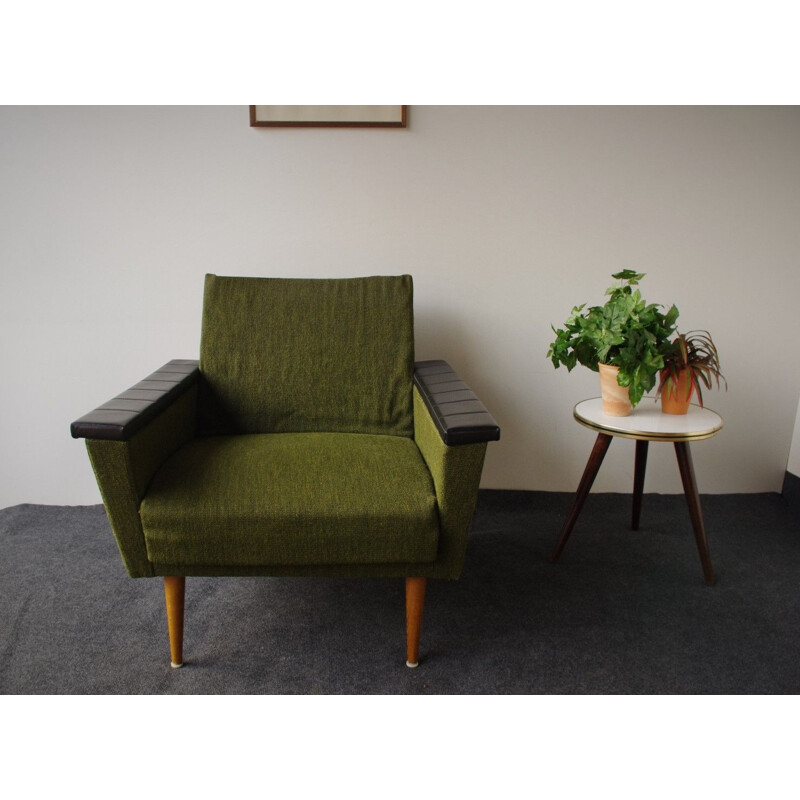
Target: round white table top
(647, 421)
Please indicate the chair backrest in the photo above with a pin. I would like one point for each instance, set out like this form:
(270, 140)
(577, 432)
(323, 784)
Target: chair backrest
(280, 355)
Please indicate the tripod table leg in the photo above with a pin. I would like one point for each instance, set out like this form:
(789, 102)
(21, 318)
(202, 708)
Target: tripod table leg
(638, 481)
(589, 474)
(695, 512)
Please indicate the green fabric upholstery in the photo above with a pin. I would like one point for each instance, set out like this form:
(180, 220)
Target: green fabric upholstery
(124, 470)
(373, 492)
(299, 355)
(456, 474)
(292, 499)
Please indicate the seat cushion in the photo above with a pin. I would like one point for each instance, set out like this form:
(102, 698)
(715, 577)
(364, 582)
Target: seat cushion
(291, 355)
(292, 499)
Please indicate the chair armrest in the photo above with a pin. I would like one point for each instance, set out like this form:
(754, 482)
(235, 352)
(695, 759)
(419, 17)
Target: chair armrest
(128, 412)
(129, 438)
(453, 446)
(458, 414)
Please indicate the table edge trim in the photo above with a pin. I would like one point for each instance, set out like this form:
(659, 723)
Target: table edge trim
(650, 437)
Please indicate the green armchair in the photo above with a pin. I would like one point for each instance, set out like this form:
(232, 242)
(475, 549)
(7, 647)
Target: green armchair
(305, 441)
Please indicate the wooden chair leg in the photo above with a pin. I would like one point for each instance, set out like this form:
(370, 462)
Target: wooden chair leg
(175, 592)
(415, 601)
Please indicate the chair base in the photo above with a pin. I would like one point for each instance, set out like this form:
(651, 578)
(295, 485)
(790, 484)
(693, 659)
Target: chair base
(175, 592)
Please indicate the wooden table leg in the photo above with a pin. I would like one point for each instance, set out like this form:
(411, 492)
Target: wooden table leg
(695, 512)
(638, 481)
(589, 474)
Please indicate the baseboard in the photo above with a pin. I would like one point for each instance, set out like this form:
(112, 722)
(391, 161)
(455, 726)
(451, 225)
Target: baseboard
(791, 490)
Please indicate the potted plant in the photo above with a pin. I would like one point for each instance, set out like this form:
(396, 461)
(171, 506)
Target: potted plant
(624, 340)
(692, 359)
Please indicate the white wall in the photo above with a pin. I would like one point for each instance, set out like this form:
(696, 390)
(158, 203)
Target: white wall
(505, 216)
(794, 453)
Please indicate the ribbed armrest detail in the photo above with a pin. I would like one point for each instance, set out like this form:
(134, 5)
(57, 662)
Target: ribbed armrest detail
(122, 416)
(460, 417)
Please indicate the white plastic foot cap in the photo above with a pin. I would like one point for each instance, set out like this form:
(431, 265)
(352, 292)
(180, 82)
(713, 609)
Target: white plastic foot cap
(175, 666)
(412, 664)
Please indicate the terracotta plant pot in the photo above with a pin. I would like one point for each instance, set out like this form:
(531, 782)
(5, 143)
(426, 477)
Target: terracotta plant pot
(676, 398)
(616, 401)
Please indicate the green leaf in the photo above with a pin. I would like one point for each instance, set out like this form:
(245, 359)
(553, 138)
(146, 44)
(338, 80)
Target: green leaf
(629, 275)
(671, 317)
(635, 392)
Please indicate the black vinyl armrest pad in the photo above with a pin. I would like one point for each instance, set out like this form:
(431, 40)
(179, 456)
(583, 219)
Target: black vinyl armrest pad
(459, 415)
(121, 417)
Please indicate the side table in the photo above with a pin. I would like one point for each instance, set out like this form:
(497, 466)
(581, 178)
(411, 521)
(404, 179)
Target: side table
(646, 425)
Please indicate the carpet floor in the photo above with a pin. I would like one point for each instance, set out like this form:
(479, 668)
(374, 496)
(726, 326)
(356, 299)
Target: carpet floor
(622, 612)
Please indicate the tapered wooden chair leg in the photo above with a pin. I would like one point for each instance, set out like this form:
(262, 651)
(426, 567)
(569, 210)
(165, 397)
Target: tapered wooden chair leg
(175, 592)
(415, 601)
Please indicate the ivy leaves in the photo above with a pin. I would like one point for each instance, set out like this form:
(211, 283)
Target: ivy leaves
(626, 332)
(631, 277)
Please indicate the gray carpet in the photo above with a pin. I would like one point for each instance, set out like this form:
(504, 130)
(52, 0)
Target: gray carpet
(621, 613)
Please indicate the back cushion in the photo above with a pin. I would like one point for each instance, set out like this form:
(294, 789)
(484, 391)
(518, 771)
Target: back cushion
(281, 355)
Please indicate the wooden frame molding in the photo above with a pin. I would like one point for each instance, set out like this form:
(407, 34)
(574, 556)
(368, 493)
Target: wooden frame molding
(328, 116)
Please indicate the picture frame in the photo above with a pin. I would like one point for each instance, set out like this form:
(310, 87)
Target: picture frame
(328, 116)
